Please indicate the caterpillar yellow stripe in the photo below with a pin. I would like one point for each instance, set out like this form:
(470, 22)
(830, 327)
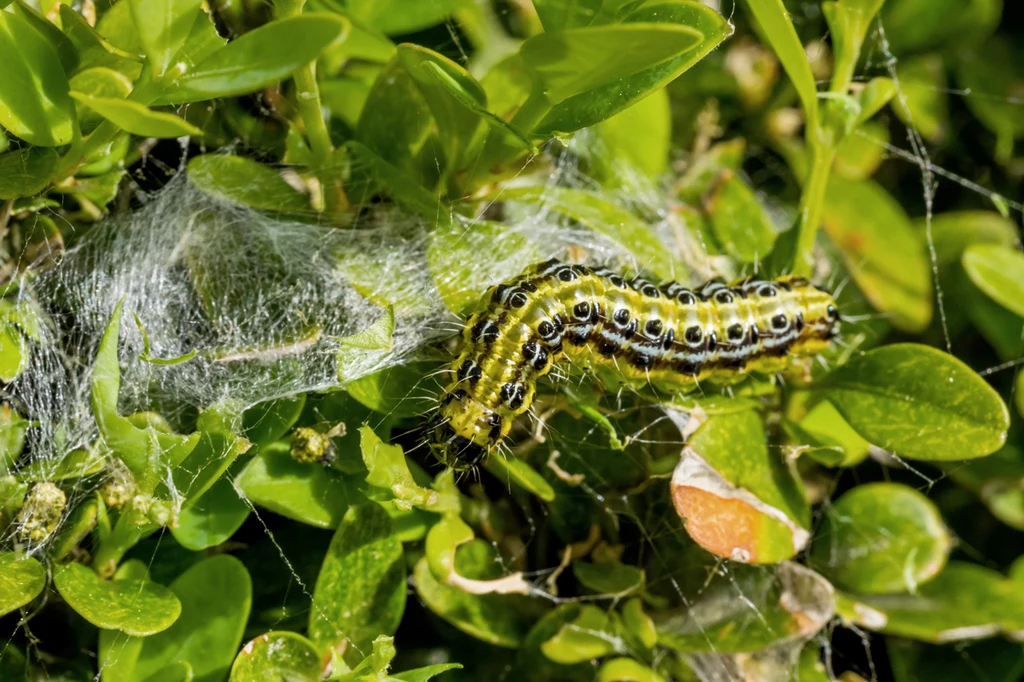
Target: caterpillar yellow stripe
(668, 336)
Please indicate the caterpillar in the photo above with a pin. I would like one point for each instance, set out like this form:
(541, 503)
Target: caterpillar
(668, 336)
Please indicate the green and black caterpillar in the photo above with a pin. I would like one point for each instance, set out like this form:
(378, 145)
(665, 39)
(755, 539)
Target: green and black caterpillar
(669, 337)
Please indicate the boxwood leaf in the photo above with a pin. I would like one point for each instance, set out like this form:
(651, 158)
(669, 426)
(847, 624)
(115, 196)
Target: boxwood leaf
(465, 257)
(999, 272)
(954, 231)
(162, 27)
(270, 420)
(360, 592)
(399, 16)
(259, 58)
(21, 579)
(34, 101)
(964, 601)
(614, 578)
(239, 180)
(277, 655)
(137, 118)
(881, 538)
(212, 518)
(606, 100)
(919, 402)
(626, 670)
(738, 499)
(425, 673)
(309, 493)
(589, 636)
(514, 470)
(134, 606)
(606, 218)
(739, 221)
(883, 254)
(26, 171)
(215, 595)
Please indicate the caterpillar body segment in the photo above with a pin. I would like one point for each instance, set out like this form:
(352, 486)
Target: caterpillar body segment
(668, 336)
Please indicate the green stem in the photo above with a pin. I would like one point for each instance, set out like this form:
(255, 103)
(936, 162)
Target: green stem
(130, 528)
(812, 202)
(497, 150)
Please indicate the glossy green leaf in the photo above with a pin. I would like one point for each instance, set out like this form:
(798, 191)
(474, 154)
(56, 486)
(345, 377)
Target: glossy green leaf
(309, 493)
(640, 136)
(12, 436)
(21, 579)
(465, 258)
(136, 118)
(73, 464)
(212, 518)
(13, 352)
(387, 468)
(259, 58)
(590, 635)
(881, 538)
(162, 27)
(964, 601)
(772, 19)
(28, 171)
(918, 402)
(34, 101)
(605, 99)
(626, 670)
(360, 591)
(395, 391)
(999, 272)
(739, 221)
(215, 595)
(425, 673)
(88, 49)
(277, 655)
(885, 257)
(102, 82)
(605, 218)
(396, 16)
(134, 606)
(238, 180)
(378, 336)
(578, 60)
(729, 479)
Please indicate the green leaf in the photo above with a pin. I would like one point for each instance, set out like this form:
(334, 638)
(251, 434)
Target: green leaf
(998, 480)
(632, 233)
(590, 636)
(238, 180)
(388, 469)
(739, 221)
(89, 49)
(394, 17)
(378, 336)
(920, 403)
(134, 606)
(277, 656)
(993, 68)
(102, 82)
(34, 101)
(613, 579)
(162, 27)
(259, 58)
(12, 436)
(626, 670)
(999, 272)
(465, 258)
(146, 452)
(309, 493)
(881, 538)
(848, 22)
(556, 15)
(608, 99)
(964, 601)
(883, 254)
(640, 136)
(772, 20)
(425, 673)
(953, 231)
(993, 660)
(270, 420)
(403, 188)
(360, 592)
(13, 352)
(394, 391)
(578, 60)
(515, 471)
(212, 518)
(921, 25)
(25, 172)
(923, 102)
(861, 152)
(215, 595)
(21, 579)
(738, 499)
(500, 620)
(137, 118)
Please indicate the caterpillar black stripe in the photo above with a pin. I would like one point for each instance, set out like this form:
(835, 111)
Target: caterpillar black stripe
(667, 336)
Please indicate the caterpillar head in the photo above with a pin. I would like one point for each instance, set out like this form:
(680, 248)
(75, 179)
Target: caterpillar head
(462, 433)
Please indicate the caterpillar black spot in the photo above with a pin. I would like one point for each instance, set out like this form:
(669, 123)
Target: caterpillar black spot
(668, 336)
